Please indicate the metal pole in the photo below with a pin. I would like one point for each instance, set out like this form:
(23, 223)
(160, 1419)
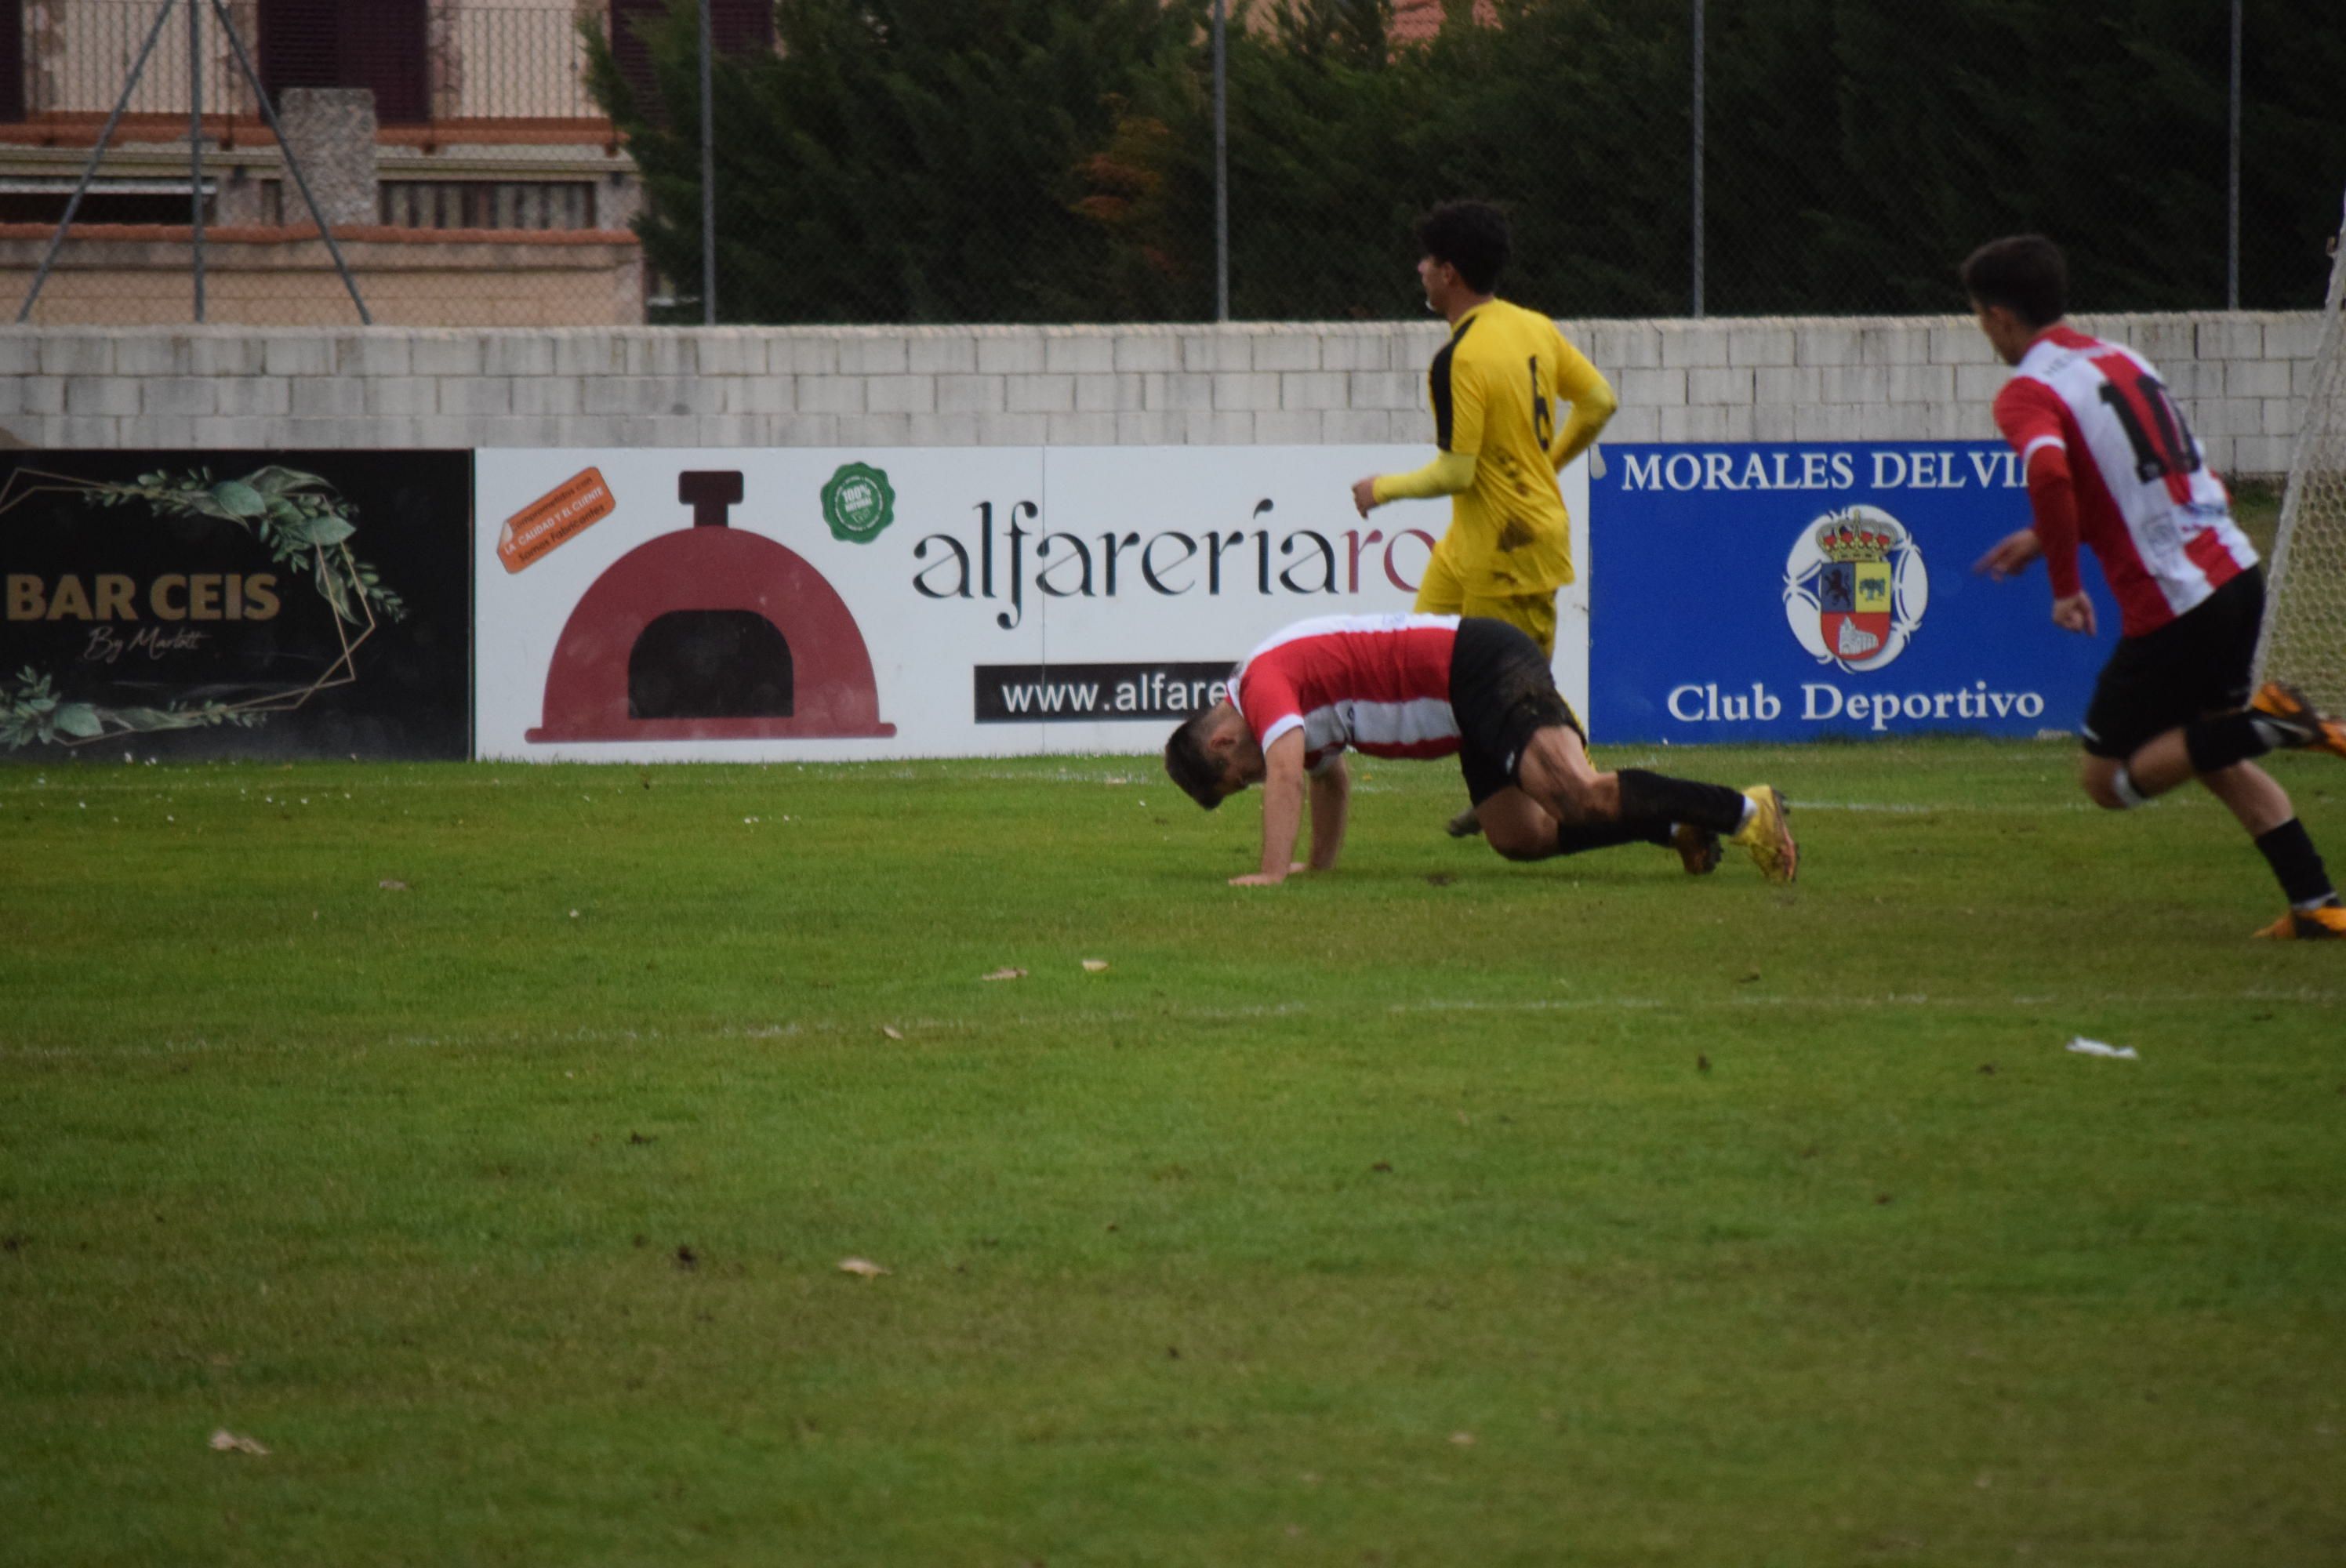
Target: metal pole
(292, 162)
(196, 143)
(1221, 169)
(2233, 228)
(707, 181)
(1698, 118)
(89, 170)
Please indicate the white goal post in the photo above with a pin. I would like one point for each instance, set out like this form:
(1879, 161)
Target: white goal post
(2304, 637)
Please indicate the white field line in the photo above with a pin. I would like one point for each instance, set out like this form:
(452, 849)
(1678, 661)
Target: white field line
(1166, 1017)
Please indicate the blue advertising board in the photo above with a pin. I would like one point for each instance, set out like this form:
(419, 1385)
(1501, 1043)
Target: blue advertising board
(1798, 591)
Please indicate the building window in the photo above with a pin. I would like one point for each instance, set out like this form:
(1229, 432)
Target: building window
(11, 63)
(378, 45)
(488, 204)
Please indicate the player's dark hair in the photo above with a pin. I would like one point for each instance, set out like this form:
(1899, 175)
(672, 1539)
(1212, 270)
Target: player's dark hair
(2025, 274)
(1472, 236)
(1189, 764)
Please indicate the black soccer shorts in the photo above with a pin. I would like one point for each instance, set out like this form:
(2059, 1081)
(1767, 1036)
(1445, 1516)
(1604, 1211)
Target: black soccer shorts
(2196, 664)
(1501, 691)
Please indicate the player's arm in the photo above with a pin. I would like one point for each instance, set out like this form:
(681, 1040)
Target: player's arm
(1331, 801)
(1447, 475)
(1282, 811)
(2028, 413)
(1458, 398)
(1584, 386)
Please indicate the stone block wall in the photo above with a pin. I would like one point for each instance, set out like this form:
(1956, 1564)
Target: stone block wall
(2240, 377)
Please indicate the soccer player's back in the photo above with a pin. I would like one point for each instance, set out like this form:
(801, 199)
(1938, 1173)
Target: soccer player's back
(1497, 387)
(2110, 464)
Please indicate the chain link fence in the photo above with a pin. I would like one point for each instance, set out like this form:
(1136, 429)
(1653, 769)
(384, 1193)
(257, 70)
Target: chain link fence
(1031, 160)
(1098, 160)
(466, 173)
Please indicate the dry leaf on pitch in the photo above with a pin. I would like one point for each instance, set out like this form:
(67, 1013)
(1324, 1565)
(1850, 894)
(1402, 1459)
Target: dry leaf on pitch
(227, 1442)
(861, 1267)
(392, 885)
(1004, 975)
(1095, 965)
(891, 1031)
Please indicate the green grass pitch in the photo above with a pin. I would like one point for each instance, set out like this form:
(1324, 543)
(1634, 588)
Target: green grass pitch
(1438, 1211)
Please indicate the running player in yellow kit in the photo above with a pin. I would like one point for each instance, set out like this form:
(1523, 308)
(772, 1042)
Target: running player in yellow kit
(1513, 404)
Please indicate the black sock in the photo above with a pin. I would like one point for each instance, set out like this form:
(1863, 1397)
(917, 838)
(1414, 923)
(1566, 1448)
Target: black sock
(1577, 838)
(2215, 744)
(1650, 799)
(2296, 864)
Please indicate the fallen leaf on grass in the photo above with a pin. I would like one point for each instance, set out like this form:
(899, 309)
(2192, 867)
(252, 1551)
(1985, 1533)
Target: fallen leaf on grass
(1004, 975)
(891, 1031)
(1095, 965)
(861, 1267)
(392, 885)
(227, 1442)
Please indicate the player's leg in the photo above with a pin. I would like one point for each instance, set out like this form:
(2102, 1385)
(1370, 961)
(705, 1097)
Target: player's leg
(1633, 805)
(1521, 828)
(1697, 846)
(1517, 730)
(2174, 705)
(1442, 590)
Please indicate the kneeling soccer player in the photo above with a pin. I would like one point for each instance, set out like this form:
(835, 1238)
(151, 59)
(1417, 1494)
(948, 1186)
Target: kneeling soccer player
(1428, 686)
(2110, 464)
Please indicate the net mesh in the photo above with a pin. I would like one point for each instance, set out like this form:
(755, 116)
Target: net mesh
(2304, 640)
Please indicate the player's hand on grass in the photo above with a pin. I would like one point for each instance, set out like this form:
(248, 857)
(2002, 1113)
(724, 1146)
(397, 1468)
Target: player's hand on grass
(2011, 556)
(1364, 495)
(2074, 614)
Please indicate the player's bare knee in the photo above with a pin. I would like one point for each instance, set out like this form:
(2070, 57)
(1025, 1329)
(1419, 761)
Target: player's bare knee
(1514, 841)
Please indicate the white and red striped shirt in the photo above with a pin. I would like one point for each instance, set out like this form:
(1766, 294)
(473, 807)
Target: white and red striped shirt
(1379, 684)
(2148, 504)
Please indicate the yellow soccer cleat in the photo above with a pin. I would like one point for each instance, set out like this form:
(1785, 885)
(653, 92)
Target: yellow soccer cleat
(1768, 835)
(2307, 729)
(2326, 923)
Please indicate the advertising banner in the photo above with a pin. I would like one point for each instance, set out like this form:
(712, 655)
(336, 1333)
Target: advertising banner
(235, 604)
(836, 605)
(1797, 592)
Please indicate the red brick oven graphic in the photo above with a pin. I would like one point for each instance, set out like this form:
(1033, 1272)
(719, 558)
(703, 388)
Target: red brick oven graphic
(710, 634)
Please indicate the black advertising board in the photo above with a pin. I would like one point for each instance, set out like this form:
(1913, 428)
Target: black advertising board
(235, 604)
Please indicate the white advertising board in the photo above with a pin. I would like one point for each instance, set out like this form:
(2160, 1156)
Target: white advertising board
(822, 605)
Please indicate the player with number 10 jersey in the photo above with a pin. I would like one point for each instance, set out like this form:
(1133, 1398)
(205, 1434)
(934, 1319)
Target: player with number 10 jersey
(2150, 508)
(2110, 463)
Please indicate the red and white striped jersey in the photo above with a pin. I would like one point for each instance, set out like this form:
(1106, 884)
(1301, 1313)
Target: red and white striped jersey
(2151, 509)
(1379, 684)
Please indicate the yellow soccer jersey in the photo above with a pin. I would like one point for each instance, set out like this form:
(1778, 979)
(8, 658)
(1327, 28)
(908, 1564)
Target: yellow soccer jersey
(1509, 392)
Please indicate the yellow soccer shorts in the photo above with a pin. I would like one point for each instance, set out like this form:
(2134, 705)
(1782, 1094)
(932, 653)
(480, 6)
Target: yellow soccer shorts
(1444, 592)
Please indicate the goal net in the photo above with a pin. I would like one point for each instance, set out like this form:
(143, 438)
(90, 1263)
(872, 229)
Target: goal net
(2304, 637)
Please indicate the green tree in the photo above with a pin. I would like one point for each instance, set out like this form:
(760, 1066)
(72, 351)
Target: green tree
(894, 160)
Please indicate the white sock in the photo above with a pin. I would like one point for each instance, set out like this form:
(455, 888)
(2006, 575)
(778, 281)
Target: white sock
(2122, 786)
(1750, 810)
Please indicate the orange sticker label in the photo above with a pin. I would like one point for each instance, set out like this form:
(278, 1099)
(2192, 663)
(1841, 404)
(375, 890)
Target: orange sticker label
(561, 515)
